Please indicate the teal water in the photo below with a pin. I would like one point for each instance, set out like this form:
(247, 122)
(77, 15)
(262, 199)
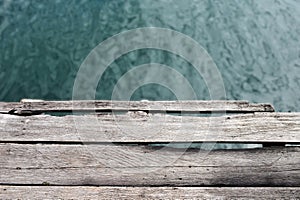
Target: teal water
(254, 43)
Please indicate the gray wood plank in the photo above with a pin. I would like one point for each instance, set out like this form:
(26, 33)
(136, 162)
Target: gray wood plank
(6, 107)
(81, 192)
(152, 106)
(143, 127)
(109, 165)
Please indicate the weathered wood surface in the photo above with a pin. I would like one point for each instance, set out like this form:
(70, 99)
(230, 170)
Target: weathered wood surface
(143, 127)
(109, 165)
(28, 106)
(80, 192)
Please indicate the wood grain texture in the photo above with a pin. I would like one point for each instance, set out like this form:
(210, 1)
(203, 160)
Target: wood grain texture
(114, 165)
(80, 192)
(143, 127)
(153, 106)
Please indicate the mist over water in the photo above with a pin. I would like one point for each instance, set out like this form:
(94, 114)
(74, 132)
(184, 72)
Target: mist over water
(254, 43)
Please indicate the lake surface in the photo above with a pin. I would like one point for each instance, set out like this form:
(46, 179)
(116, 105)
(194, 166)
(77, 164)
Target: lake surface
(254, 43)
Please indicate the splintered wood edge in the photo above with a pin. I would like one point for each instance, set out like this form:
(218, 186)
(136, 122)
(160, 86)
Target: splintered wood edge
(25, 106)
(86, 192)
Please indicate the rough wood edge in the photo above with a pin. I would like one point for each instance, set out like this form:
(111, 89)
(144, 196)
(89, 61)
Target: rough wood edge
(27, 107)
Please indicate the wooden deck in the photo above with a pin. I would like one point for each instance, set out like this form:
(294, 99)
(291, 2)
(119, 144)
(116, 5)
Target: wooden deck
(108, 150)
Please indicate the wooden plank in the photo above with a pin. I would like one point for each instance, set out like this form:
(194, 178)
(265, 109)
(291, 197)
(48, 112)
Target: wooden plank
(112, 165)
(143, 127)
(8, 107)
(85, 192)
(36, 106)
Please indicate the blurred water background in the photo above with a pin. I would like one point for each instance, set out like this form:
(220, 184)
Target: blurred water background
(255, 44)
